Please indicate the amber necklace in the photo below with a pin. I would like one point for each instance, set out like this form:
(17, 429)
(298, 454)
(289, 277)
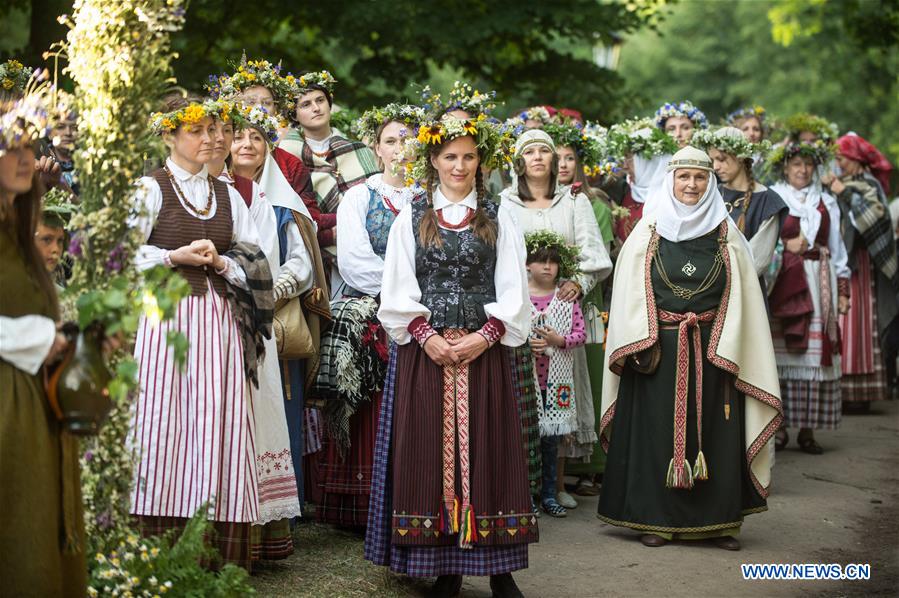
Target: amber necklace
(197, 212)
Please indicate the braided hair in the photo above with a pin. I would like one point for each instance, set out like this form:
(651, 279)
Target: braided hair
(747, 198)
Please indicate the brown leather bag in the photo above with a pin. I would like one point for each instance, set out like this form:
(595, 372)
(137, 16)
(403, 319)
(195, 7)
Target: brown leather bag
(647, 360)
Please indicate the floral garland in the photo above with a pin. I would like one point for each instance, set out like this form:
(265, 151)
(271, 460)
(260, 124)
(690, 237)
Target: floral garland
(58, 205)
(366, 127)
(23, 121)
(163, 122)
(734, 144)
(569, 265)
(638, 136)
(819, 151)
(821, 127)
(537, 113)
(494, 144)
(251, 73)
(257, 118)
(309, 81)
(461, 97)
(745, 112)
(14, 76)
(685, 109)
(589, 152)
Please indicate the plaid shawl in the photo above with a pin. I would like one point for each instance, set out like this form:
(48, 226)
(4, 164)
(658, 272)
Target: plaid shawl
(254, 308)
(871, 218)
(353, 364)
(347, 163)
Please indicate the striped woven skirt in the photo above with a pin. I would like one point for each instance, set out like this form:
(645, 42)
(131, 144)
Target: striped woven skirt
(422, 561)
(521, 362)
(864, 373)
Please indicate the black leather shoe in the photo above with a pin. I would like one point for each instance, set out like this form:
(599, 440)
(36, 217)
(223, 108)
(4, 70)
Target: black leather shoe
(727, 543)
(446, 586)
(503, 586)
(652, 540)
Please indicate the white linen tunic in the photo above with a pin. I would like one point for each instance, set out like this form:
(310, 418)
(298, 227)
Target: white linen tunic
(193, 427)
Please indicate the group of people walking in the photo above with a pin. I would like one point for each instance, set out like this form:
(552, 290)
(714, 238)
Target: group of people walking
(422, 331)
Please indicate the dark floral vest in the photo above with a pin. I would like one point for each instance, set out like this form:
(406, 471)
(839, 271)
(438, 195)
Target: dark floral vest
(456, 279)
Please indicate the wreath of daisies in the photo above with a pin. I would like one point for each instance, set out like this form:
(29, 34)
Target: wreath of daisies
(366, 127)
(251, 73)
(819, 151)
(730, 143)
(639, 136)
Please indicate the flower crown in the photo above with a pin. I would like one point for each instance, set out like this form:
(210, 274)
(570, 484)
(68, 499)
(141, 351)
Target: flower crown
(162, 122)
(819, 151)
(639, 136)
(257, 118)
(739, 114)
(366, 127)
(569, 265)
(322, 79)
(589, 151)
(256, 72)
(461, 97)
(538, 113)
(14, 76)
(493, 142)
(803, 121)
(685, 109)
(737, 146)
(58, 206)
(24, 121)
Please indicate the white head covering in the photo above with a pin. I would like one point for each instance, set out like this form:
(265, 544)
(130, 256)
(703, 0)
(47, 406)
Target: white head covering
(648, 175)
(803, 204)
(675, 220)
(278, 191)
(533, 137)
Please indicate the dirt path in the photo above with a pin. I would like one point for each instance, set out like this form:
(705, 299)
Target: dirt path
(841, 507)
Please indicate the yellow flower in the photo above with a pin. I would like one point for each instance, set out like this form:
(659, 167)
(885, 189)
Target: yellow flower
(192, 114)
(154, 551)
(290, 78)
(430, 135)
(251, 77)
(15, 64)
(470, 128)
(482, 116)
(302, 80)
(7, 83)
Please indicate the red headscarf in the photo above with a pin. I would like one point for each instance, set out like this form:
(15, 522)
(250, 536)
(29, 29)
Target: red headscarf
(571, 113)
(856, 147)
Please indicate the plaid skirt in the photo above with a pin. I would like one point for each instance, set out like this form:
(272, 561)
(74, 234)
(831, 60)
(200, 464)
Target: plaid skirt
(811, 404)
(231, 540)
(522, 365)
(864, 372)
(271, 542)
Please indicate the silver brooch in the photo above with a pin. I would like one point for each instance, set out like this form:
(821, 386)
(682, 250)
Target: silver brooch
(688, 269)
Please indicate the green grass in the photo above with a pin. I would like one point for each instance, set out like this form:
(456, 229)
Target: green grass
(328, 562)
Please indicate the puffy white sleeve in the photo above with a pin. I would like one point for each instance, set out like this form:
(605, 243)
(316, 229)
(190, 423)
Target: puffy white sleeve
(359, 265)
(764, 242)
(513, 304)
(594, 258)
(148, 201)
(400, 293)
(243, 231)
(838, 255)
(296, 271)
(26, 341)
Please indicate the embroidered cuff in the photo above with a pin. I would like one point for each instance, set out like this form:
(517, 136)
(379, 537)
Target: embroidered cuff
(843, 287)
(493, 330)
(167, 259)
(420, 330)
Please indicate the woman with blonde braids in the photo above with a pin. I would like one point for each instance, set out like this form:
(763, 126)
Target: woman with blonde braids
(450, 474)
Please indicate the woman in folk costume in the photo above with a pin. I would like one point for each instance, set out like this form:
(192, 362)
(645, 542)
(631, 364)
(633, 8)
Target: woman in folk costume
(685, 345)
(355, 339)
(750, 120)
(336, 163)
(861, 190)
(42, 534)
(680, 121)
(450, 490)
(643, 150)
(756, 210)
(580, 153)
(557, 327)
(278, 455)
(538, 202)
(811, 288)
(193, 429)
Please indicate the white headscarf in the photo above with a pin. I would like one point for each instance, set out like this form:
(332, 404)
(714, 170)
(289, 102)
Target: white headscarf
(806, 210)
(676, 221)
(278, 191)
(648, 174)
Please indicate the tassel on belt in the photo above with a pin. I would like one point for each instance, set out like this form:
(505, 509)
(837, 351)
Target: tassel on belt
(456, 422)
(680, 474)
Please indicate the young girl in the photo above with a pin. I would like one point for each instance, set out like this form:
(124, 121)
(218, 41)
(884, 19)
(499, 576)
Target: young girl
(557, 326)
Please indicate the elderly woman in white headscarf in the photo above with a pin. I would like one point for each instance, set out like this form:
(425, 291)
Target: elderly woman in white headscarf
(539, 202)
(691, 396)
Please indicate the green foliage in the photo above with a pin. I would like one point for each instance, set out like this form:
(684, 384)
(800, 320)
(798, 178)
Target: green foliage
(841, 62)
(166, 565)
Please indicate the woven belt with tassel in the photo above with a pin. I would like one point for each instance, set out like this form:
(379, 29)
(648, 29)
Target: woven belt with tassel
(680, 474)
